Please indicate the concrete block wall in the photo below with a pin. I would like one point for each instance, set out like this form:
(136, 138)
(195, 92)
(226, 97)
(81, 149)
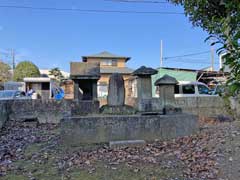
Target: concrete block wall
(205, 106)
(208, 106)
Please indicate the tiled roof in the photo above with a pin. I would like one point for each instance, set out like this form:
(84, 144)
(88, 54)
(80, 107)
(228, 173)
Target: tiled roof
(105, 54)
(110, 70)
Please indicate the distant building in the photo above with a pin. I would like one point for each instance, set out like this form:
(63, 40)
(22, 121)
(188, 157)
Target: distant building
(46, 73)
(179, 74)
(206, 76)
(109, 64)
(41, 85)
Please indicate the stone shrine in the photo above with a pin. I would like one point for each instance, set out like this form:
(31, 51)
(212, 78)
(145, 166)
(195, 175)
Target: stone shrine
(166, 85)
(85, 77)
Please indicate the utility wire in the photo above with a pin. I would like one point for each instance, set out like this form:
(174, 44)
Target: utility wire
(197, 63)
(88, 10)
(138, 1)
(185, 55)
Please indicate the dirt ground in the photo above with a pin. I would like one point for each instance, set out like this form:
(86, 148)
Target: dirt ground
(35, 153)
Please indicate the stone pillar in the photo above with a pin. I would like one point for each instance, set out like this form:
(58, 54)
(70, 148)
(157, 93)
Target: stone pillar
(166, 86)
(94, 90)
(144, 87)
(76, 90)
(116, 97)
(116, 90)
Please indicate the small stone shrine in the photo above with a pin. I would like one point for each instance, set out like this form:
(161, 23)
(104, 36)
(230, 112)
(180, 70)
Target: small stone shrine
(116, 97)
(166, 86)
(85, 77)
(144, 88)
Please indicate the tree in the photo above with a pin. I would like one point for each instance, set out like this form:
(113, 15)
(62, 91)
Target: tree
(5, 74)
(221, 19)
(25, 69)
(56, 73)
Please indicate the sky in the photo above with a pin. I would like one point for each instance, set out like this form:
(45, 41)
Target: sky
(54, 38)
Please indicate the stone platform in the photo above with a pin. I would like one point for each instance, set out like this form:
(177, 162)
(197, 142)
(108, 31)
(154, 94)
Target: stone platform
(77, 131)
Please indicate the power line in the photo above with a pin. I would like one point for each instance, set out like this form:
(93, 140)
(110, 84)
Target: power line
(185, 55)
(89, 10)
(197, 63)
(138, 1)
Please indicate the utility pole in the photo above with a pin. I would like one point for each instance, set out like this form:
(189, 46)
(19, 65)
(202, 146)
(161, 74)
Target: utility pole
(212, 58)
(13, 61)
(161, 55)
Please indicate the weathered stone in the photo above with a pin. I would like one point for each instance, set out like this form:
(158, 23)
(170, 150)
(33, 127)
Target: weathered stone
(116, 90)
(166, 80)
(144, 71)
(80, 130)
(4, 112)
(85, 76)
(144, 87)
(129, 143)
(166, 86)
(117, 110)
(168, 109)
(44, 111)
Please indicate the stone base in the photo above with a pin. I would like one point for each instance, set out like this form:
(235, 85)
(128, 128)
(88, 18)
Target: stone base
(172, 110)
(117, 110)
(80, 130)
(123, 144)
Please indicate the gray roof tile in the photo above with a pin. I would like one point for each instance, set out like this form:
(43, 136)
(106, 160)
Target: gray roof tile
(105, 54)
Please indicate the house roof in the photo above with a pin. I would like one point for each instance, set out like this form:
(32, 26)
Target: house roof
(105, 54)
(121, 70)
(36, 79)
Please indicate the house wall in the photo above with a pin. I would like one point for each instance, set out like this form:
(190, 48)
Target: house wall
(120, 62)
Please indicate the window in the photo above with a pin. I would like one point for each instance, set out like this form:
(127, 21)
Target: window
(109, 62)
(45, 86)
(114, 62)
(188, 89)
(203, 89)
(102, 90)
(106, 62)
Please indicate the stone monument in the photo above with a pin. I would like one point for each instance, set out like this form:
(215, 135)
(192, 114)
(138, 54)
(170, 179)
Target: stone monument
(144, 88)
(166, 86)
(116, 90)
(116, 97)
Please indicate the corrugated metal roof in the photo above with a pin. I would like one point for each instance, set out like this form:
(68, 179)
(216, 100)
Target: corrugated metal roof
(110, 70)
(178, 74)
